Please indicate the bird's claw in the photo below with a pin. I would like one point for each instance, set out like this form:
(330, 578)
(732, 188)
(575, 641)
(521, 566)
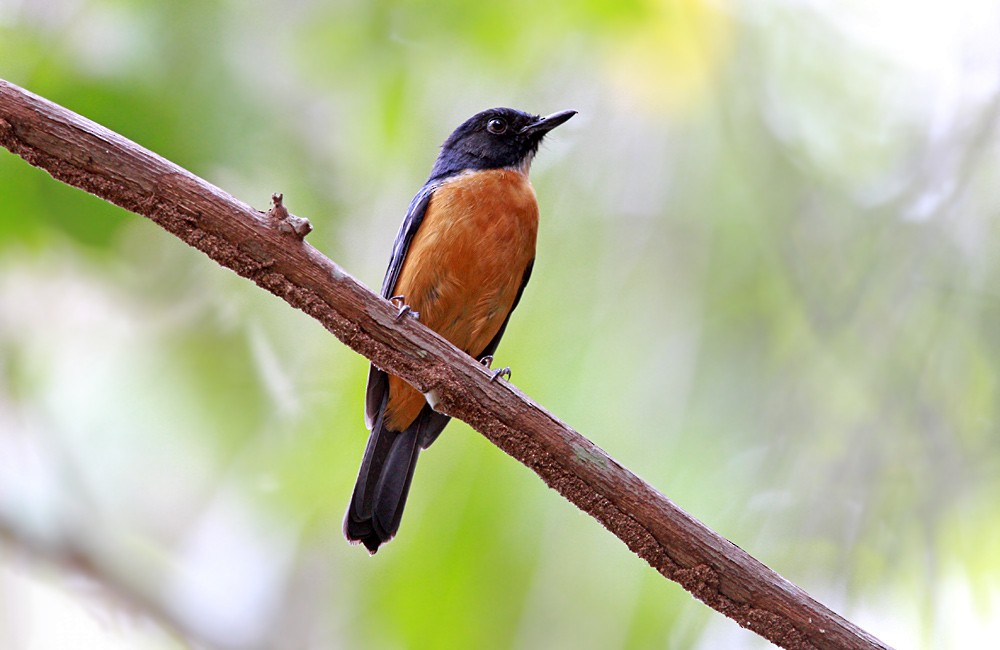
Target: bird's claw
(502, 372)
(404, 309)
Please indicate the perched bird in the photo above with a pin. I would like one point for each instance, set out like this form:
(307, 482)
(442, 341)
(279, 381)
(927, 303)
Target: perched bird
(460, 260)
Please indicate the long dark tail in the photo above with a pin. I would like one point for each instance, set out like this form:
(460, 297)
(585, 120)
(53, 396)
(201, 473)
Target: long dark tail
(384, 480)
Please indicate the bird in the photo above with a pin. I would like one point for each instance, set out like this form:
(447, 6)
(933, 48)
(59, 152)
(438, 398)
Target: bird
(459, 264)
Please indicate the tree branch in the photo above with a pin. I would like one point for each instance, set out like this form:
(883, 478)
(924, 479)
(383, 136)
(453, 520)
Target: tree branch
(258, 247)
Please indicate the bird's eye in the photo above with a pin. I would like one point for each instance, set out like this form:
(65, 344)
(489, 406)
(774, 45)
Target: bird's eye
(496, 126)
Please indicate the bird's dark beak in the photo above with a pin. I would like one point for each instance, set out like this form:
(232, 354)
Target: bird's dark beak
(547, 123)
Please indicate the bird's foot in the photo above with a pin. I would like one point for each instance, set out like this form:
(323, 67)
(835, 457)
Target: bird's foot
(502, 372)
(404, 309)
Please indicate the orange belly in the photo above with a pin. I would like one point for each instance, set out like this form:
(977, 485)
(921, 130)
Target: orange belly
(464, 267)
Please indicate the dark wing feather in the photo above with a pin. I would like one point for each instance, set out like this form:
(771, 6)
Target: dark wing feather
(491, 347)
(411, 222)
(378, 382)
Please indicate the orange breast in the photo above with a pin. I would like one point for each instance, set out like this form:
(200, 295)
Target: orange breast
(465, 265)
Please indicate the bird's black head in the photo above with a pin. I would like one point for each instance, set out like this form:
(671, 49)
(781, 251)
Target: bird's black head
(493, 139)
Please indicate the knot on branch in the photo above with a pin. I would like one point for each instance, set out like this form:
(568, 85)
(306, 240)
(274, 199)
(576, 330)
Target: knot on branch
(286, 222)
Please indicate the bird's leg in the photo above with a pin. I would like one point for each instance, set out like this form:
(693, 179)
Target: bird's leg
(502, 372)
(404, 309)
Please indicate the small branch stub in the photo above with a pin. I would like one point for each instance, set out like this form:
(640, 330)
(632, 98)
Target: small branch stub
(285, 221)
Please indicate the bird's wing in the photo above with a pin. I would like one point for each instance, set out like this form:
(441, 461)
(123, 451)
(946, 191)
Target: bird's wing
(378, 382)
(411, 222)
(491, 347)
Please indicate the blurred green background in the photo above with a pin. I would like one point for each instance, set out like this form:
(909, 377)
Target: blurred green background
(768, 282)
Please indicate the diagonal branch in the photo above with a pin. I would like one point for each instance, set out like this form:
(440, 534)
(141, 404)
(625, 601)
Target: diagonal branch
(270, 251)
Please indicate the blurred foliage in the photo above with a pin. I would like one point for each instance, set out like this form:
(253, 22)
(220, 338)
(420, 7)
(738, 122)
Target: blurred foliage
(766, 282)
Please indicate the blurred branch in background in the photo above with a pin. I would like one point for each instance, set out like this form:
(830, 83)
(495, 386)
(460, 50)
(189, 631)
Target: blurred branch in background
(716, 571)
(74, 553)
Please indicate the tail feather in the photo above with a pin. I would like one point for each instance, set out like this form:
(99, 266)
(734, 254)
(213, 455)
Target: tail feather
(376, 507)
